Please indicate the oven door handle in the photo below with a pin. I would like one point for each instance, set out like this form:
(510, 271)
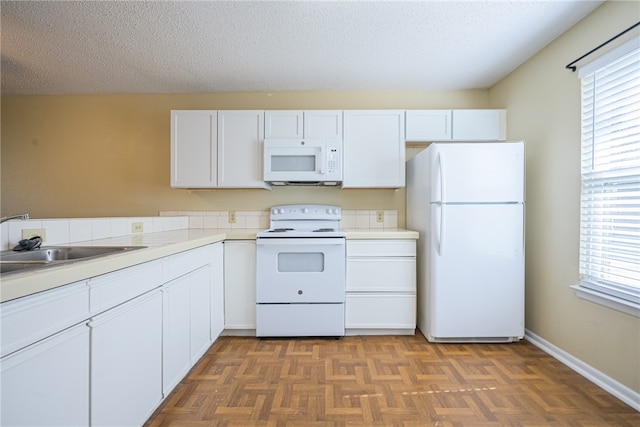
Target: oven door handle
(301, 241)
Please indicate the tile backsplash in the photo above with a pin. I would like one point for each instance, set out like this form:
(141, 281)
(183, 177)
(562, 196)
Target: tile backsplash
(362, 219)
(63, 231)
(220, 219)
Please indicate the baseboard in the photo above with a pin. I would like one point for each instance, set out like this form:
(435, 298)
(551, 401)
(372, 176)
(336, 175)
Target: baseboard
(612, 386)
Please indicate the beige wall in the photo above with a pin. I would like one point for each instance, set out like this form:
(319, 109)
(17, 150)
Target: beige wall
(108, 155)
(543, 102)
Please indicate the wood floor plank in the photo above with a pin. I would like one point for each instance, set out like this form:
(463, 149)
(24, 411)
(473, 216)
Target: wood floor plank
(384, 381)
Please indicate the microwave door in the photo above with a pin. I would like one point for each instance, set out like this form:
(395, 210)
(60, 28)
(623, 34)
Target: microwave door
(299, 164)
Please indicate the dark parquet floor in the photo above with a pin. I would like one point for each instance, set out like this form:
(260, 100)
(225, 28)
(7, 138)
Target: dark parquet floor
(384, 381)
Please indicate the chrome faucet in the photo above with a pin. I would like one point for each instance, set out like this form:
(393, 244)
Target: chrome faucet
(24, 216)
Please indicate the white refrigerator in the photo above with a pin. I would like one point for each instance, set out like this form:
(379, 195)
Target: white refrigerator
(467, 202)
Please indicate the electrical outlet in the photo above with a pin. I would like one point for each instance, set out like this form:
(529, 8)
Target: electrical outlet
(137, 240)
(137, 227)
(380, 216)
(232, 217)
(28, 233)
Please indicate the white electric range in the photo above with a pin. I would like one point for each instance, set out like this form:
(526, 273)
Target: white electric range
(300, 274)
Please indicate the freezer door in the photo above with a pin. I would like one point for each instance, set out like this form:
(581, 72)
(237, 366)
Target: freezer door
(477, 172)
(476, 272)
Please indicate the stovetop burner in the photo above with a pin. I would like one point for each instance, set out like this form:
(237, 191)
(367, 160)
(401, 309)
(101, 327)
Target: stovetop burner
(280, 230)
(304, 221)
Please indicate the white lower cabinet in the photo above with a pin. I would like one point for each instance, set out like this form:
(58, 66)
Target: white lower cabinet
(381, 287)
(126, 362)
(240, 286)
(176, 321)
(47, 383)
(186, 325)
(106, 351)
(200, 312)
(217, 290)
(192, 310)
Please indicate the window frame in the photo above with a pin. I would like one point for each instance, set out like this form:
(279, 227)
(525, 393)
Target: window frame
(589, 290)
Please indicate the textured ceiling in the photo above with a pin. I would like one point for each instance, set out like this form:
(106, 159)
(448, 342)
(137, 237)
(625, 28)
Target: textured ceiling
(58, 47)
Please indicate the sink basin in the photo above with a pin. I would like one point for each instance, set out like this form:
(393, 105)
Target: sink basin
(11, 261)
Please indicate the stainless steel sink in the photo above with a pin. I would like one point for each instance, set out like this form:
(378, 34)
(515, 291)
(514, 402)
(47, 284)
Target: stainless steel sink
(17, 266)
(11, 261)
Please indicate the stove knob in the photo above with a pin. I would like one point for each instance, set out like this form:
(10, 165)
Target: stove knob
(280, 211)
(334, 211)
(328, 210)
(274, 211)
(305, 210)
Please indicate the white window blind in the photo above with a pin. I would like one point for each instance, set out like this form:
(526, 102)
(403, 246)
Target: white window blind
(610, 199)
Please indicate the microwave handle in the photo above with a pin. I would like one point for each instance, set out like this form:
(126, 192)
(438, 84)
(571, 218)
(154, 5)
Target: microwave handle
(322, 159)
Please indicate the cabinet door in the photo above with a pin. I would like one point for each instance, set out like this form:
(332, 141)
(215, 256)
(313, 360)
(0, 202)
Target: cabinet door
(428, 125)
(176, 358)
(240, 148)
(126, 362)
(200, 310)
(47, 383)
(380, 311)
(326, 124)
(283, 124)
(374, 150)
(240, 284)
(193, 148)
(217, 291)
(479, 125)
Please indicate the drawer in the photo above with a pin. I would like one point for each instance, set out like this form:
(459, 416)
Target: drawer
(381, 274)
(390, 248)
(32, 318)
(112, 289)
(185, 262)
(380, 311)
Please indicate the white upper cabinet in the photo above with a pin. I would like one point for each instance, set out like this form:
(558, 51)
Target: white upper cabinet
(428, 125)
(326, 124)
(374, 149)
(240, 148)
(323, 124)
(479, 125)
(283, 124)
(456, 125)
(217, 149)
(194, 149)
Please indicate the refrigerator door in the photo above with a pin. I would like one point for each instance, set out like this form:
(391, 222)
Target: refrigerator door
(477, 172)
(476, 273)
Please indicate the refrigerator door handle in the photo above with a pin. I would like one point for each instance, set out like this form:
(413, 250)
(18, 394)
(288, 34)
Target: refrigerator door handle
(441, 171)
(442, 228)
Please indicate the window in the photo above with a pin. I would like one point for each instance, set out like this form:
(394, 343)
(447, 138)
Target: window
(610, 198)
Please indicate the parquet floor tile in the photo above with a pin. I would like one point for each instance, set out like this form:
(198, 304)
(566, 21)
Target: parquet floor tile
(401, 381)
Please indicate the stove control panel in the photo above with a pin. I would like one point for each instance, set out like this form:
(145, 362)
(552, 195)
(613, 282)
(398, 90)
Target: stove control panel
(309, 212)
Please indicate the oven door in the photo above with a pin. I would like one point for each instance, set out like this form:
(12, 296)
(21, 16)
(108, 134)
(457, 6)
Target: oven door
(294, 160)
(300, 270)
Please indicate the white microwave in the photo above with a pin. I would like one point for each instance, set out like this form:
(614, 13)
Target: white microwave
(303, 161)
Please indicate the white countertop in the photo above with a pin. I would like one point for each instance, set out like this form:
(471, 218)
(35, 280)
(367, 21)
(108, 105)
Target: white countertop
(158, 245)
(372, 233)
